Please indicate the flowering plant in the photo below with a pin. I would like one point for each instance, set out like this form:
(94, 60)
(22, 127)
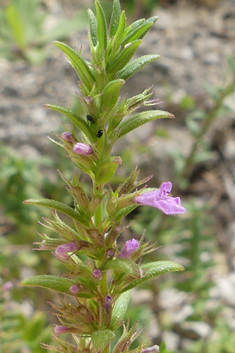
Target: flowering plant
(101, 270)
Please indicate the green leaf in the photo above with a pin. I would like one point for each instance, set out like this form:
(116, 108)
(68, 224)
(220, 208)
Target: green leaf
(107, 170)
(139, 119)
(136, 65)
(110, 93)
(154, 269)
(133, 26)
(124, 265)
(56, 283)
(151, 20)
(115, 18)
(120, 30)
(101, 26)
(124, 57)
(58, 206)
(93, 27)
(76, 119)
(124, 212)
(119, 310)
(101, 339)
(78, 64)
(136, 33)
(16, 25)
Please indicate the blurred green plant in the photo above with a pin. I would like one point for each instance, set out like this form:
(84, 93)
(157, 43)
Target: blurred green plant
(199, 122)
(19, 333)
(22, 31)
(145, 7)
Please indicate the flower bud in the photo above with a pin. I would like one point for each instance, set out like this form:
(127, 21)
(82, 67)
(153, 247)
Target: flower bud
(75, 289)
(108, 303)
(82, 149)
(153, 349)
(97, 273)
(59, 330)
(110, 253)
(62, 250)
(67, 136)
(129, 247)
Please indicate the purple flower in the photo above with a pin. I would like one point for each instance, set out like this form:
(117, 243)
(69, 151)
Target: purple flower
(75, 289)
(62, 250)
(129, 247)
(160, 199)
(59, 330)
(67, 136)
(97, 273)
(108, 303)
(82, 149)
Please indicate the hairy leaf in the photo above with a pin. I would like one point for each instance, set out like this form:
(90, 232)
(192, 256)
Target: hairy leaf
(56, 283)
(154, 269)
(76, 119)
(93, 27)
(58, 206)
(111, 93)
(101, 26)
(101, 339)
(78, 64)
(115, 18)
(139, 119)
(119, 310)
(124, 265)
(136, 65)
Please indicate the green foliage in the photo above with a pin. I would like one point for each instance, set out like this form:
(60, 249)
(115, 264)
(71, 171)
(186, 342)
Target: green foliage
(17, 331)
(199, 122)
(22, 34)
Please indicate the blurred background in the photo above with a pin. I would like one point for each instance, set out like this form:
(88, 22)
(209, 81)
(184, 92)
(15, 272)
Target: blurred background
(195, 80)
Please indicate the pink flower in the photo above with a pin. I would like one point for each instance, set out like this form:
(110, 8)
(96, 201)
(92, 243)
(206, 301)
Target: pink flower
(129, 247)
(7, 286)
(59, 330)
(62, 250)
(160, 199)
(82, 149)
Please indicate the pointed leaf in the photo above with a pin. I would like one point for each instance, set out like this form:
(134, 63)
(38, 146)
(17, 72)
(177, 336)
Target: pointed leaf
(58, 206)
(102, 26)
(154, 269)
(124, 212)
(110, 93)
(151, 20)
(59, 284)
(120, 30)
(78, 64)
(115, 18)
(123, 265)
(141, 118)
(76, 119)
(101, 339)
(93, 27)
(124, 57)
(136, 33)
(136, 65)
(119, 310)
